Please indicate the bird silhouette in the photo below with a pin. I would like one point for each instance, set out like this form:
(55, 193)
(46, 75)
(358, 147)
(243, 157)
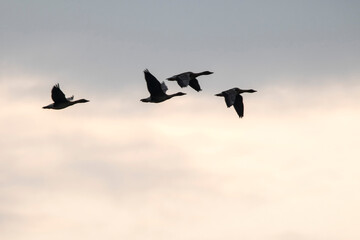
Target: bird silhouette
(189, 78)
(60, 101)
(233, 98)
(157, 90)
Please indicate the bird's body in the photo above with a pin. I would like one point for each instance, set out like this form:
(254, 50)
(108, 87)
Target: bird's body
(157, 90)
(60, 101)
(233, 98)
(189, 78)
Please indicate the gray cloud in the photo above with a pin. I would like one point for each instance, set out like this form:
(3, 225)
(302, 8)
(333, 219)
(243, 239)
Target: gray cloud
(107, 46)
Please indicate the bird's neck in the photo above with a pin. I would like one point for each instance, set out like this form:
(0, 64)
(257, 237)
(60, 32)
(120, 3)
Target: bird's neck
(146, 99)
(247, 90)
(199, 74)
(175, 94)
(78, 101)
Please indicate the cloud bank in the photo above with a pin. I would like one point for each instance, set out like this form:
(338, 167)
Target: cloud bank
(119, 168)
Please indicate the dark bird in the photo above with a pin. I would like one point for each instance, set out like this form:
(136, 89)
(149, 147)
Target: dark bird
(157, 90)
(60, 101)
(189, 78)
(233, 98)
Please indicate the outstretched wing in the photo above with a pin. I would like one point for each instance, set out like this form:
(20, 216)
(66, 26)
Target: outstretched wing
(239, 105)
(230, 97)
(195, 84)
(183, 79)
(164, 88)
(153, 85)
(57, 95)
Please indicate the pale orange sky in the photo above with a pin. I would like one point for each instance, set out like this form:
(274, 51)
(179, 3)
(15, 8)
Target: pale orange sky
(172, 171)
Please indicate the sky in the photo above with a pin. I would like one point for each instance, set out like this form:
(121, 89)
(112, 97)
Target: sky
(187, 168)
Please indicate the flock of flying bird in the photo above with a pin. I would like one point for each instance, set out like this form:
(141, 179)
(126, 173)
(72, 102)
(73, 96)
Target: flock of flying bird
(158, 90)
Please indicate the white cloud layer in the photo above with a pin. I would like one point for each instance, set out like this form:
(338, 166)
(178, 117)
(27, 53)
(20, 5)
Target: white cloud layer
(117, 168)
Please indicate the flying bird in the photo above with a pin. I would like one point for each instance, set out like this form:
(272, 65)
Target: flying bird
(157, 90)
(233, 98)
(189, 78)
(60, 101)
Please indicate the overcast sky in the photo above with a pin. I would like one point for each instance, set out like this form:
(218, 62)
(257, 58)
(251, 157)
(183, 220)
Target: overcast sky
(188, 168)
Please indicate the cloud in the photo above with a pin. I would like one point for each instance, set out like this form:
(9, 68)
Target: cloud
(116, 167)
(242, 42)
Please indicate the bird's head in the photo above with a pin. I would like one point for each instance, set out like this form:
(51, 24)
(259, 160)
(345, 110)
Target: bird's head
(180, 94)
(48, 106)
(82, 101)
(239, 91)
(207, 73)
